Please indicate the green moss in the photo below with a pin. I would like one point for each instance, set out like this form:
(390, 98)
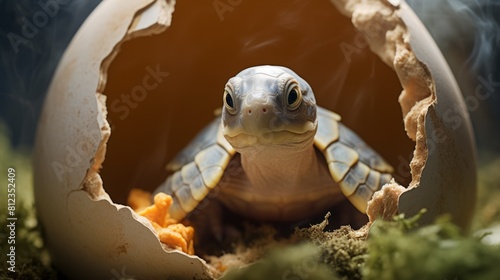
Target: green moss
(291, 263)
(437, 251)
(487, 207)
(31, 260)
(393, 250)
(344, 250)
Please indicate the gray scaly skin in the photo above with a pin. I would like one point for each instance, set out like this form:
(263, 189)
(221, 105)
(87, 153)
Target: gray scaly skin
(273, 154)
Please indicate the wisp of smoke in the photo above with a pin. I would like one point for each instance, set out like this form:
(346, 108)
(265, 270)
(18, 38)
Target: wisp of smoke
(485, 15)
(468, 33)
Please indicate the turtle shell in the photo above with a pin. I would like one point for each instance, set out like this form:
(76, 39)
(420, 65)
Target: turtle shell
(357, 169)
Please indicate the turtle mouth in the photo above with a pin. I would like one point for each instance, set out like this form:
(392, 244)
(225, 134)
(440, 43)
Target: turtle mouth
(256, 130)
(268, 137)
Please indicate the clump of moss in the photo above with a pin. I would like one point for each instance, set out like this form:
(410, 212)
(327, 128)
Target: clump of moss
(396, 249)
(438, 251)
(344, 249)
(31, 260)
(295, 262)
(310, 253)
(487, 210)
(252, 244)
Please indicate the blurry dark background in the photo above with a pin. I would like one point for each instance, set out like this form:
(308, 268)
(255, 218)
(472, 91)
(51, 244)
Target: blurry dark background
(34, 35)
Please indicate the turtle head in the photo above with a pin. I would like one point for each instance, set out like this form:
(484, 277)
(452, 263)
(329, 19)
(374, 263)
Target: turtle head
(269, 105)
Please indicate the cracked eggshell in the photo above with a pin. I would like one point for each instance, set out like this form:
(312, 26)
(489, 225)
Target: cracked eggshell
(87, 234)
(443, 166)
(448, 180)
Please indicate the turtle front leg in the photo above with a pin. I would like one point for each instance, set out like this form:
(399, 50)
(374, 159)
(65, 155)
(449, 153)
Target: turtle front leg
(215, 232)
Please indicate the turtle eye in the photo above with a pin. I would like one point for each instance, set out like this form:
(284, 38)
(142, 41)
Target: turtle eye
(293, 96)
(229, 100)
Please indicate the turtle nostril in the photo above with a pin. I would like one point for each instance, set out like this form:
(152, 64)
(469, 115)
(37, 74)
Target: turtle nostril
(249, 112)
(264, 110)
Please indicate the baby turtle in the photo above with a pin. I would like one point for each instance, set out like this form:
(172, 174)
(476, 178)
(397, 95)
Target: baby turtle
(273, 154)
